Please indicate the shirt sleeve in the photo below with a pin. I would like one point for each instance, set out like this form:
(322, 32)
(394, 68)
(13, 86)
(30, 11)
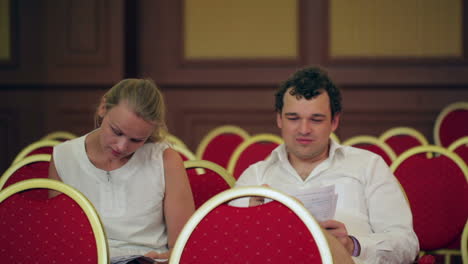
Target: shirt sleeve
(393, 239)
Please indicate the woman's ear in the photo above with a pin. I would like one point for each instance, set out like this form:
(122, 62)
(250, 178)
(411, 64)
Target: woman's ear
(102, 108)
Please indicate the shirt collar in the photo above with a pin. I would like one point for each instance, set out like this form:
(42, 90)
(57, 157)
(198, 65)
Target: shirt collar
(280, 154)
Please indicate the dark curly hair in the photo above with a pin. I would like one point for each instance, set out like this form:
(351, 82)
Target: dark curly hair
(308, 83)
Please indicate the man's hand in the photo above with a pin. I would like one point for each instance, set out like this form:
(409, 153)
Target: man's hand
(338, 230)
(257, 200)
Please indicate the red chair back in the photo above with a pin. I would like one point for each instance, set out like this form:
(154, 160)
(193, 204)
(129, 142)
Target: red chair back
(435, 188)
(206, 180)
(34, 166)
(269, 233)
(256, 148)
(282, 231)
(374, 145)
(55, 230)
(451, 124)
(219, 144)
(401, 143)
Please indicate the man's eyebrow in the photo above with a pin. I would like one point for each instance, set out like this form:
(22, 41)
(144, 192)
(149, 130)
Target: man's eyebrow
(318, 115)
(290, 114)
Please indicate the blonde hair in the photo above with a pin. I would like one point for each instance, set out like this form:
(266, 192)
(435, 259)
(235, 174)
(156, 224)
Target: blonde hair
(144, 98)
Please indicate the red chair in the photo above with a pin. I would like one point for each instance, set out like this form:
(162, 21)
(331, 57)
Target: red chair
(209, 181)
(451, 124)
(219, 144)
(400, 139)
(254, 149)
(63, 229)
(282, 231)
(184, 153)
(175, 141)
(437, 190)
(38, 147)
(372, 144)
(34, 166)
(460, 147)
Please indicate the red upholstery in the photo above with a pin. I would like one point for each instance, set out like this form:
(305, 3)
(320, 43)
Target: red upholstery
(401, 143)
(42, 150)
(270, 233)
(206, 185)
(453, 126)
(255, 152)
(462, 151)
(221, 147)
(375, 149)
(38, 169)
(437, 191)
(427, 259)
(45, 231)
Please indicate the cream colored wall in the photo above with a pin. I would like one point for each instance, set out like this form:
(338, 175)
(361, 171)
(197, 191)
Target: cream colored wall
(401, 28)
(4, 29)
(240, 29)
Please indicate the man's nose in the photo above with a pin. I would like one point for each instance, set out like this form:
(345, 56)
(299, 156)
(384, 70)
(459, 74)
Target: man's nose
(304, 127)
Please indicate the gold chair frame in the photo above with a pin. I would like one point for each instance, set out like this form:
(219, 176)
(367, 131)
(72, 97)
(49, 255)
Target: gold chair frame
(445, 111)
(27, 160)
(227, 129)
(33, 146)
(264, 137)
(205, 164)
(366, 139)
(57, 135)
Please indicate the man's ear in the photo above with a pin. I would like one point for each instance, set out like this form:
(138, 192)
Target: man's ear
(335, 122)
(279, 120)
(102, 108)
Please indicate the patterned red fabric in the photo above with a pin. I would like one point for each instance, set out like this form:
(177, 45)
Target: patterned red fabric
(45, 231)
(462, 151)
(453, 127)
(269, 233)
(42, 150)
(221, 147)
(401, 143)
(38, 169)
(204, 186)
(377, 150)
(427, 259)
(255, 152)
(437, 191)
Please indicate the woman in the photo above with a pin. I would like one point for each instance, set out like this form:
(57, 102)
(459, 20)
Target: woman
(134, 179)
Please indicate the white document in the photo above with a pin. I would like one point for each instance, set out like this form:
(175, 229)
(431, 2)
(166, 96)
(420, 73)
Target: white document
(321, 201)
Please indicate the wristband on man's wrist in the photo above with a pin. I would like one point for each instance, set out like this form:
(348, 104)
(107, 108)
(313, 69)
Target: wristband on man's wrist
(357, 247)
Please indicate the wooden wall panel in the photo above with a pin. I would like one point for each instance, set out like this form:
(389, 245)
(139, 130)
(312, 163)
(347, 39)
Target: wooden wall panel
(85, 41)
(68, 42)
(8, 140)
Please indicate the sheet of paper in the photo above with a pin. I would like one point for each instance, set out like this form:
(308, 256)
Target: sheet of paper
(320, 201)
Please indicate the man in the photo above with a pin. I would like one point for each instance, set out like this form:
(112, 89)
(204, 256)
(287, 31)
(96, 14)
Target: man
(372, 221)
